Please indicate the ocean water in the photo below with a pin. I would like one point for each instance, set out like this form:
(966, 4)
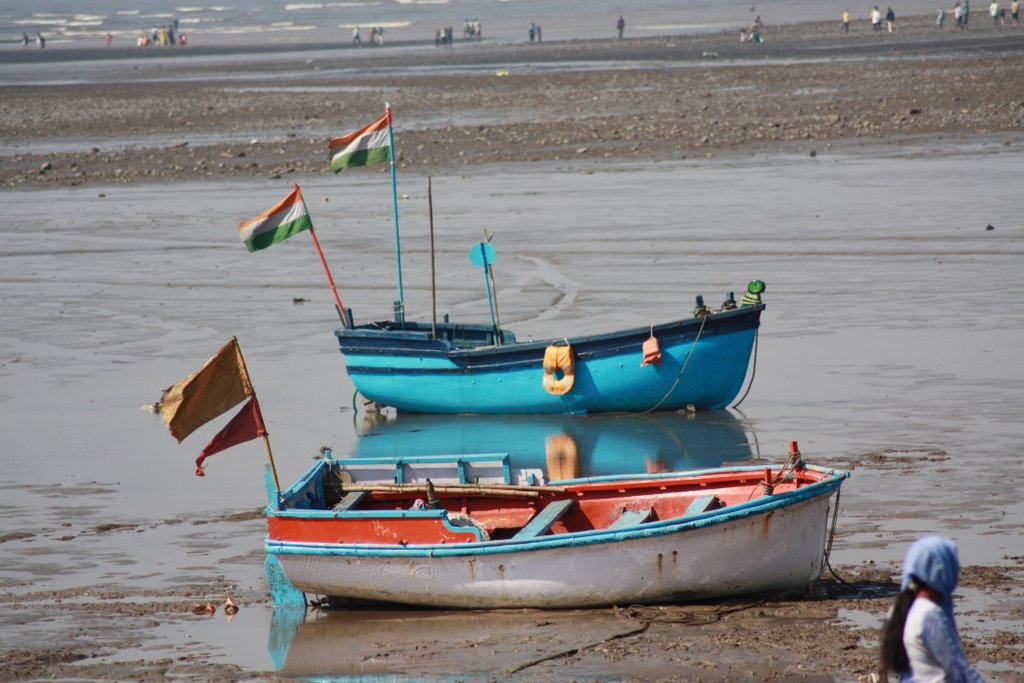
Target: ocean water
(890, 345)
(74, 22)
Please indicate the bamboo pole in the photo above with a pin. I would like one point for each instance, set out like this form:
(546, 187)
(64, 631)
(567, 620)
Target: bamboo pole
(330, 280)
(252, 392)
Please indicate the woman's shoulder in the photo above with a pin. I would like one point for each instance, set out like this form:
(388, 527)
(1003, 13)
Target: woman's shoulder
(924, 610)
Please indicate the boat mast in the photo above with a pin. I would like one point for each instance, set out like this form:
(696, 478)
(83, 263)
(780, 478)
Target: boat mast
(400, 304)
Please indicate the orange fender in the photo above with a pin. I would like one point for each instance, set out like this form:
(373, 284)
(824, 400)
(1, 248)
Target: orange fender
(558, 370)
(651, 351)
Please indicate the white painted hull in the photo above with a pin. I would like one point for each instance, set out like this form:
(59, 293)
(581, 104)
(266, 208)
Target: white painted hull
(773, 550)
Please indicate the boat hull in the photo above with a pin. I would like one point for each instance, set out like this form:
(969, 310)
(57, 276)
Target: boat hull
(703, 365)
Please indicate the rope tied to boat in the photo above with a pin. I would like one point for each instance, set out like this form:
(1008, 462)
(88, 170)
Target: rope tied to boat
(682, 368)
(831, 537)
(793, 463)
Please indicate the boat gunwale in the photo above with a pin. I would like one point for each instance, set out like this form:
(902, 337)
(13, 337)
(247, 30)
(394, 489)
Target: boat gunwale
(445, 348)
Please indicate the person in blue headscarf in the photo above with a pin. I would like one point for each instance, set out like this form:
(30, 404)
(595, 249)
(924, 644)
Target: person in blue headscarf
(920, 640)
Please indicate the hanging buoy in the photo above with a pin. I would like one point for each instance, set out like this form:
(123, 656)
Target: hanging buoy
(652, 352)
(558, 370)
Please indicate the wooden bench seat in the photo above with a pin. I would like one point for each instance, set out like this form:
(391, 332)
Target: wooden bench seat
(351, 499)
(543, 520)
(630, 518)
(703, 504)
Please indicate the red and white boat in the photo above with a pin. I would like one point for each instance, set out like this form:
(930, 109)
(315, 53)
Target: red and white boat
(455, 533)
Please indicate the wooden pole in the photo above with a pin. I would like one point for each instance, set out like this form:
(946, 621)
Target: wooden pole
(252, 392)
(330, 280)
(266, 444)
(494, 289)
(433, 276)
(400, 312)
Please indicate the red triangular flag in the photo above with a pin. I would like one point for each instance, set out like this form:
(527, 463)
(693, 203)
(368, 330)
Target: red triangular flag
(246, 425)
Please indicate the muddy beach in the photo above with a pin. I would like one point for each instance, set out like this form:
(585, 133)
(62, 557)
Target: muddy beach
(870, 180)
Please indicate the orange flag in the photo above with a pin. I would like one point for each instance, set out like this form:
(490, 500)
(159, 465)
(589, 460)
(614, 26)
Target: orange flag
(246, 425)
(214, 389)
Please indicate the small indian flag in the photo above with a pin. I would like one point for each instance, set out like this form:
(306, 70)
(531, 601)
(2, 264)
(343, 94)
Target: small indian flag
(368, 145)
(288, 217)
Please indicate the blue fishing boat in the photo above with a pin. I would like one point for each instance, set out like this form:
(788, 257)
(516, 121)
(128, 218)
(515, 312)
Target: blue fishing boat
(698, 363)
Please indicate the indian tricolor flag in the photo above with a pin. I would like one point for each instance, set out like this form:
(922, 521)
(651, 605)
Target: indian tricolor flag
(369, 145)
(288, 217)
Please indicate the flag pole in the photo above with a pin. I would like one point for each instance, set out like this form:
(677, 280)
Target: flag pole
(433, 276)
(330, 280)
(494, 289)
(400, 304)
(266, 438)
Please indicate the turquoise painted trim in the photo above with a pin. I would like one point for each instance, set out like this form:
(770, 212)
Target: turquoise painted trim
(300, 492)
(649, 530)
(273, 495)
(283, 592)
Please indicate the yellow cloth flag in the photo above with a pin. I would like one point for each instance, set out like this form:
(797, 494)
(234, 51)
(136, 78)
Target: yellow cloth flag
(215, 388)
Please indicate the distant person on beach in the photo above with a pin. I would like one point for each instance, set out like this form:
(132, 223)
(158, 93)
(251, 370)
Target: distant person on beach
(940, 17)
(876, 18)
(620, 26)
(110, 39)
(356, 38)
(890, 19)
(920, 640)
(966, 11)
(1015, 12)
(24, 39)
(533, 31)
(540, 35)
(40, 40)
(846, 21)
(993, 11)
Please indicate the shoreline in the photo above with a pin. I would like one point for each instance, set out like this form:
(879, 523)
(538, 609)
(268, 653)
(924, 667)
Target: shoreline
(218, 114)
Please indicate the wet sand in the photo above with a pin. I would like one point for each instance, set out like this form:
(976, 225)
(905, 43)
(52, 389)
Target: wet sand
(889, 345)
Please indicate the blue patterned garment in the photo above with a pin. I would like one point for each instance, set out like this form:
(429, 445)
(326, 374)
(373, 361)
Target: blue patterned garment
(930, 633)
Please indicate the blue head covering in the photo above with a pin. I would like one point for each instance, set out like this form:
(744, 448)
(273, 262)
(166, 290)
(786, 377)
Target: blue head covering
(932, 560)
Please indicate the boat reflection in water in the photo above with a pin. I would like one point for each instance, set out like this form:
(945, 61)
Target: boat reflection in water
(567, 446)
(388, 646)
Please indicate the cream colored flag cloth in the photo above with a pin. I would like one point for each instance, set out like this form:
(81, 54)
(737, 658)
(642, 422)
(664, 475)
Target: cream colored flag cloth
(215, 388)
